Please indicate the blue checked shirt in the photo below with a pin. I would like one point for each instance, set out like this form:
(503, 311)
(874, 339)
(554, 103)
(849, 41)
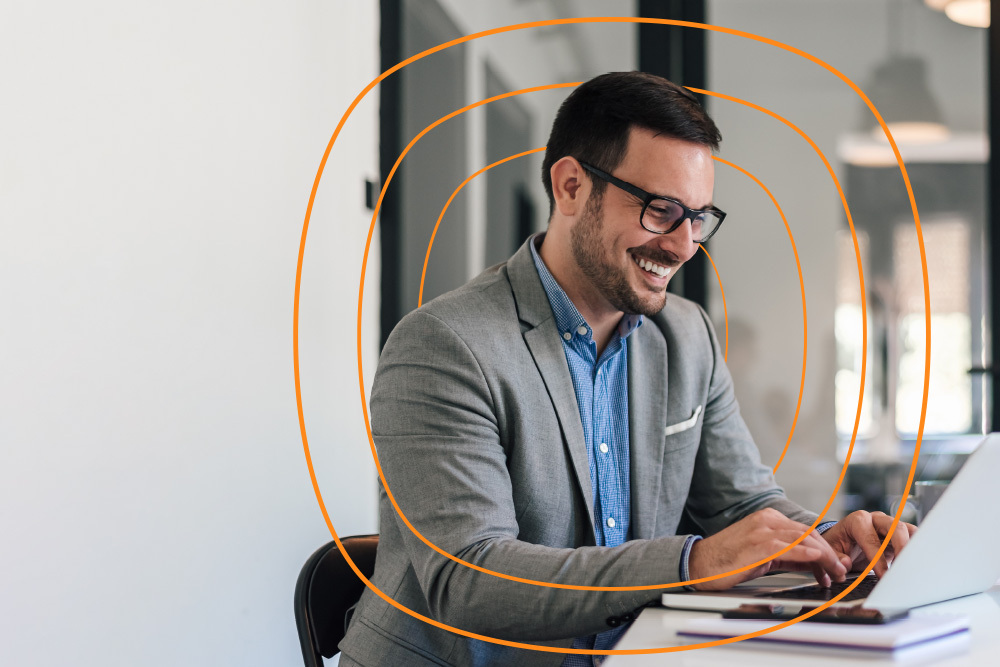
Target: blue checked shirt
(601, 388)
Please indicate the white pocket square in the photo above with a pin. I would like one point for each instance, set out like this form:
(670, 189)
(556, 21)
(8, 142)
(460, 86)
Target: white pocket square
(684, 425)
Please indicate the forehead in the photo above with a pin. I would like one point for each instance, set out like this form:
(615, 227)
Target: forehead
(669, 166)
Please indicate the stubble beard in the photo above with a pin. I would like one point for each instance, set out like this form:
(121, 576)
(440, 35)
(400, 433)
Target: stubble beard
(590, 252)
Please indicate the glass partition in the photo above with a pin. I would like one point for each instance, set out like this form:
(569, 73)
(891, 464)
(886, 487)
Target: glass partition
(926, 75)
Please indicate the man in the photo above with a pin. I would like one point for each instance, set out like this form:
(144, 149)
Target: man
(560, 419)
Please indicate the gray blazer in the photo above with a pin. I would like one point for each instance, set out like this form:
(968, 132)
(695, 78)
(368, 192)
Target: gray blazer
(478, 433)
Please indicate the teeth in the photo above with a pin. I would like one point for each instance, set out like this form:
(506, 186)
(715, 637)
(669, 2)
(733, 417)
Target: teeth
(653, 268)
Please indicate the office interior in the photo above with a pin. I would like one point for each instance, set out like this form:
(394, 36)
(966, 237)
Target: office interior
(180, 350)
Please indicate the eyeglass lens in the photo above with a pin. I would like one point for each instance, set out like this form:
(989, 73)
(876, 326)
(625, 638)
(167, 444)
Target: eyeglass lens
(663, 216)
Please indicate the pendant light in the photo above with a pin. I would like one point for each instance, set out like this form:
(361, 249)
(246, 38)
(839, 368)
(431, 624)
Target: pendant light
(900, 91)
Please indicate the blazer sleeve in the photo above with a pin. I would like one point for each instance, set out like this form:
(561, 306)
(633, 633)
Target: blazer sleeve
(729, 481)
(438, 443)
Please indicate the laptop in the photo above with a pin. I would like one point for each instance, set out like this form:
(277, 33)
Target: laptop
(955, 552)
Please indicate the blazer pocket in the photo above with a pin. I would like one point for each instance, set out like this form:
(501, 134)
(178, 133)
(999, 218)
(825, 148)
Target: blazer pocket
(684, 425)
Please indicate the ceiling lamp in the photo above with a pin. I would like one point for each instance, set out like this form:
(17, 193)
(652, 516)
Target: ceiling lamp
(900, 92)
(975, 13)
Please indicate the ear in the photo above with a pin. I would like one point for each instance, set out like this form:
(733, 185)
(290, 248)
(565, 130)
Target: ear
(570, 188)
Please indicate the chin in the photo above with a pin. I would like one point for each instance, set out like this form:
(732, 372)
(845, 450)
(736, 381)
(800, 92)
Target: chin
(654, 308)
(648, 305)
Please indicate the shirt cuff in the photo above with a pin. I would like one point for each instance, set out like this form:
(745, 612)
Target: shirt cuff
(685, 555)
(825, 526)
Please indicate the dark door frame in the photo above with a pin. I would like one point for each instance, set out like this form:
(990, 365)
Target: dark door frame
(390, 146)
(993, 213)
(681, 55)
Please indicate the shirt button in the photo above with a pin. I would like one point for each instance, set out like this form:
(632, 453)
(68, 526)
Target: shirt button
(611, 522)
(582, 330)
(604, 448)
(568, 335)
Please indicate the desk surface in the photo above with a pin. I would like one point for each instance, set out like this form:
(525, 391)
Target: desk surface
(657, 627)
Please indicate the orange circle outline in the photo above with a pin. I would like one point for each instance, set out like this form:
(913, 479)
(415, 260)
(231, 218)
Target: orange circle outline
(535, 582)
(802, 291)
(722, 291)
(547, 584)
(434, 547)
(420, 294)
(522, 26)
(430, 244)
(397, 508)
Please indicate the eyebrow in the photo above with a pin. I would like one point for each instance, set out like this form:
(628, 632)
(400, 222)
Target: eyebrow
(707, 207)
(612, 178)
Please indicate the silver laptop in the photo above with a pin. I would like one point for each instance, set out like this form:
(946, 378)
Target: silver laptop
(955, 552)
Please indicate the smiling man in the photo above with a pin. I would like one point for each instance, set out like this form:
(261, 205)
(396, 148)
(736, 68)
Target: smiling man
(561, 420)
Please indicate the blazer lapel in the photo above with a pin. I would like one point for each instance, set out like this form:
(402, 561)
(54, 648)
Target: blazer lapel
(545, 345)
(647, 406)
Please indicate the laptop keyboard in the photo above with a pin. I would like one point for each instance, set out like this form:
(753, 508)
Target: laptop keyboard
(817, 592)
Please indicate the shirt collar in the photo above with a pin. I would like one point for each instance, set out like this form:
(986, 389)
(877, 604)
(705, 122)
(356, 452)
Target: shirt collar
(569, 321)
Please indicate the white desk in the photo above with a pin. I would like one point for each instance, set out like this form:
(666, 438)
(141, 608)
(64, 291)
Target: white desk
(657, 627)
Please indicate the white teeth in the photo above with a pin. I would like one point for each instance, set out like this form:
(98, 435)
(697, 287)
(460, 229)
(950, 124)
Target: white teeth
(653, 268)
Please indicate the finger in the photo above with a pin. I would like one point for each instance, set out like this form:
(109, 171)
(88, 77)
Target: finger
(830, 556)
(841, 543)
(900, 536)
(822, 554)
(847, 561)
(799, 558)
(836, 564)
(822, 578)
(785, 531)
(862, 531)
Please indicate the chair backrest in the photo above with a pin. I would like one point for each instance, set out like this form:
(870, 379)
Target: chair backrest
(327, 588)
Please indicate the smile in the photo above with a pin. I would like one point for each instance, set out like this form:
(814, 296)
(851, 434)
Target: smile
(650, 267)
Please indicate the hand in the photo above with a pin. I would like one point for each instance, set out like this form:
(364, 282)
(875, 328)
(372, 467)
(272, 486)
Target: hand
(859, 535)
(756, 537)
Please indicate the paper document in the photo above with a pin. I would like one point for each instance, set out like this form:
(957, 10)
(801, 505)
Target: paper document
(889, 637)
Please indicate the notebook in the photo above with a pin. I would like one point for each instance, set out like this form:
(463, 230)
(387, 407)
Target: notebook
(894, 636)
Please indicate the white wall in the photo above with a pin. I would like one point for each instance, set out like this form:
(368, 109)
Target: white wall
(156, 163)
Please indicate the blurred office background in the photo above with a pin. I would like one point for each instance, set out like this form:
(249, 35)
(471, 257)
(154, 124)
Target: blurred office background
(155, 503)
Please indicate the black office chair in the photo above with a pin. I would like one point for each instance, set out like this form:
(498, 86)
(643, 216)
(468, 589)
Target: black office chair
(327, 588)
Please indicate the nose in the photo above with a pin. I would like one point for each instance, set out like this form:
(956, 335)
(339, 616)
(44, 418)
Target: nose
(681, 241)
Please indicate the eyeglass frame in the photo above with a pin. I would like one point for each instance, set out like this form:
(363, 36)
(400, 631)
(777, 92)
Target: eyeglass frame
(648, 198)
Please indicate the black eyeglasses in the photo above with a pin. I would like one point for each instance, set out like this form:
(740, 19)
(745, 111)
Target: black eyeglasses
(662, 215)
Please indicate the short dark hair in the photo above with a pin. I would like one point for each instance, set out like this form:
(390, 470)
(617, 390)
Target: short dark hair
(593, 123)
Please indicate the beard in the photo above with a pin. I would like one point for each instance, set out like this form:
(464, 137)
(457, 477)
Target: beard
(590, 250)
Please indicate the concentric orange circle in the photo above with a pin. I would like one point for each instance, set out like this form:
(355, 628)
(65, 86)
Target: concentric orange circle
(461, 40)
